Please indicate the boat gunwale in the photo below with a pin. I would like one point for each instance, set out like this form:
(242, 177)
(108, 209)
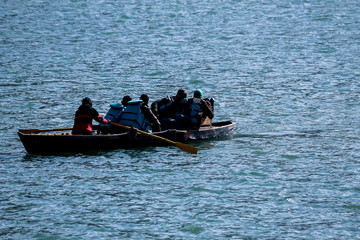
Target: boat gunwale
(216, 125)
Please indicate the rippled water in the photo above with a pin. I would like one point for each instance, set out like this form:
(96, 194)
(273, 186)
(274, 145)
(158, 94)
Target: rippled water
(286, 71)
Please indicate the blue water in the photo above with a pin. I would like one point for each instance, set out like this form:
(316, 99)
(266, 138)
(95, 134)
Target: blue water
(288, 72)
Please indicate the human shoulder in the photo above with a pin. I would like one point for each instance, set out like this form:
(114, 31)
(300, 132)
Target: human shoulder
(165, 100)
(93, 111)
(144, 106)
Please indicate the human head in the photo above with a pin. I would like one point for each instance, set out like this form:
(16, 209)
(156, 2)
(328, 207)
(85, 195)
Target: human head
(198, 93)
(181, 93)
(86, 101)
(144, 98)
(125, 100)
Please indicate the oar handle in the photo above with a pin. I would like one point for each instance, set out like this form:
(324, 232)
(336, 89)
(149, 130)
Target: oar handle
(144, 133)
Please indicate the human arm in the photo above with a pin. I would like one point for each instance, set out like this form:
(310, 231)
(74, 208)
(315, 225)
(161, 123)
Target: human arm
(207, 108)
(149, 115)
(97, 117)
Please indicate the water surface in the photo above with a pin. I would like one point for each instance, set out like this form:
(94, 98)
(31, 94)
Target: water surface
(286, 72)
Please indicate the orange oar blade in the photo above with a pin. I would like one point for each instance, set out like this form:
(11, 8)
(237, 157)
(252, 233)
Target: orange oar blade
(187, 148)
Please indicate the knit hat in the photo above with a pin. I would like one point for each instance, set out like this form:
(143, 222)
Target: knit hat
(198, 93)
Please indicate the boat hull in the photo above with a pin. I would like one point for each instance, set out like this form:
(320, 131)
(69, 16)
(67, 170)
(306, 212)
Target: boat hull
(62, 143)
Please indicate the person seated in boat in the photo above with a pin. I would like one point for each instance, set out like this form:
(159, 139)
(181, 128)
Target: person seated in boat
(84, 116)
(137, 114)
(116, 108)
(149, 115)
(125, 101)
(167, 108)
(114, 111)
(197, 110)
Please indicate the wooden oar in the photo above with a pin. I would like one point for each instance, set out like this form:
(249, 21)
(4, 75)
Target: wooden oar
(180, 145)
(34, 131)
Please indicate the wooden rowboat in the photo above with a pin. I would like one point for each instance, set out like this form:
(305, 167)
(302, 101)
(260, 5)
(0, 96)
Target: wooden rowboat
(38, 142)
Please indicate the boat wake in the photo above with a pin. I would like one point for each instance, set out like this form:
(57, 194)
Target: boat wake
(307, 134)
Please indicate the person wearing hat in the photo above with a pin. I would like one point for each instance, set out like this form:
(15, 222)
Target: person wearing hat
(84, 116)
(197, 109)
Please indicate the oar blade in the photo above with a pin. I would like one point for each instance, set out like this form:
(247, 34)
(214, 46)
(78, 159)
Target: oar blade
(187, 148)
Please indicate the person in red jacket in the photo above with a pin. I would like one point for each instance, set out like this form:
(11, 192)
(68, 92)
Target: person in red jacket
(84, 116)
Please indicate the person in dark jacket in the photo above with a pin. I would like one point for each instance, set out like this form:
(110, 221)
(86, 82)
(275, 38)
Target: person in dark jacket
(167, 108)
(149, 115)
(197, 109)
(84, 116)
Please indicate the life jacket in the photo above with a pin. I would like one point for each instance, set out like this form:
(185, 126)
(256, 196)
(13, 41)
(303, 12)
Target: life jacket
(168, 108)
(132, 116)
(181, 107)
(194, 110)
(165, 106)
(82, 124)
(114, 111)
(161, 107)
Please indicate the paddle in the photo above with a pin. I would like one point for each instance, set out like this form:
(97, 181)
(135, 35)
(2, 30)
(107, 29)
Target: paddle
(34, 131)
(180, 145)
